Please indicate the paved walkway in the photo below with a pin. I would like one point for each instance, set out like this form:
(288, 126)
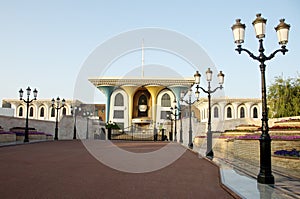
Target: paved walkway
(65, 169)
(240, 177)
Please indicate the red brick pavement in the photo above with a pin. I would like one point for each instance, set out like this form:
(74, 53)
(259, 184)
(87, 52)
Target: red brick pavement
(65, 169)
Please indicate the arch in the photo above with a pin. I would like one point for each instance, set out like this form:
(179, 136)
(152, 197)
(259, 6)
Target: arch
(119, 100)
(255, 111)
(166, 100)
(216, 112)
(119, 111)
(31, 112)
(228, 112)
(20, 111)
(242, 112)
(42, 112)
(52, 112)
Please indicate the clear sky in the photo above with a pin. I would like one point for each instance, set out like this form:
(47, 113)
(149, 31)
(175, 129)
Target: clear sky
(44, 44)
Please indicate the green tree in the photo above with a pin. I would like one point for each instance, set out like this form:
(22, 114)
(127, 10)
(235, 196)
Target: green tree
(284, 97)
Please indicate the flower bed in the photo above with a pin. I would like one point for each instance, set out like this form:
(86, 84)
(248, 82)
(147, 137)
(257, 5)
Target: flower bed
(291, 153)
(273, 137)
(247, 127)
(286, 128)
(288, 123)
(19, 136)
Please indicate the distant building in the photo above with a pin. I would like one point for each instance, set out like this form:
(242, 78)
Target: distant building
(223, 109)
(41, 109)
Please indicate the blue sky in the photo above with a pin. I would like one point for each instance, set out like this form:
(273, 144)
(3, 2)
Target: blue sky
(44, 44)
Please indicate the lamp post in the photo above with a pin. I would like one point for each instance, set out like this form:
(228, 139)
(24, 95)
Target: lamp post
(180, 118)
(209, 150)
(87, 114)
(265, 174)
(75, 111)
(27, 101)
(189, 102)
(180, 134)
(175, 113)
(109, 125)
(170, 118)
(57, 106)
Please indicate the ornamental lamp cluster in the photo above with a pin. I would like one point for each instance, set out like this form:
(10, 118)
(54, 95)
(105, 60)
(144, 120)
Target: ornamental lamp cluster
(28, 93)
(259, 25)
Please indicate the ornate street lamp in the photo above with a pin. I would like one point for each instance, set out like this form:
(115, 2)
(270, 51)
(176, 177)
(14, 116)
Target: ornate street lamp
(171, 119)
(75, 111)
(190, 102)
(59, 104)
(180, 132)
(174, 111)
(209, 151)
(109, 126)
(265, 175)
(87, 114)
(27, 101)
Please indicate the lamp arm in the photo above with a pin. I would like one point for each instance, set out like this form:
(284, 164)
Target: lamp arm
(282, 49)
(240, 49)
(205, 91)
(28, 101)
(219, 87)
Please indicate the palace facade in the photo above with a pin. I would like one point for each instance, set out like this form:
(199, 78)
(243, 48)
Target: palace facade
(146, 102)
(142, 102)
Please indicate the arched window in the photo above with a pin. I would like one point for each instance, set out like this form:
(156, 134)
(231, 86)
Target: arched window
(42, 112)
(119, 100)
(64, 111)
(216, 112)
(31, 112)
(166, 100)
(20, 111)
(242, 112)
(255, 115)
(52, 112)
(229, 114)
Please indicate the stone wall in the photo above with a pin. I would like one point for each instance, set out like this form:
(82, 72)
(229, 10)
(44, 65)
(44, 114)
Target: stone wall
(65, 126)
(248, 151)
(40, 125)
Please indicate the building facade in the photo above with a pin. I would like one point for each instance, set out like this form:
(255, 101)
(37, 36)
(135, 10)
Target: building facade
(141, 102)
(223, 109)
(40, 109)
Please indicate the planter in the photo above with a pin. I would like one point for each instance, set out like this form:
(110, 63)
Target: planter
(290, 164)
(49, 137)
(7, 137)
(37, 137)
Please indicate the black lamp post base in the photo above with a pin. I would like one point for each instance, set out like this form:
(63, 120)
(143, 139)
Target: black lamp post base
(56, 134)
(265, 179)
(191, 145)
(26, 140)
(210, 155)
(74, 133)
